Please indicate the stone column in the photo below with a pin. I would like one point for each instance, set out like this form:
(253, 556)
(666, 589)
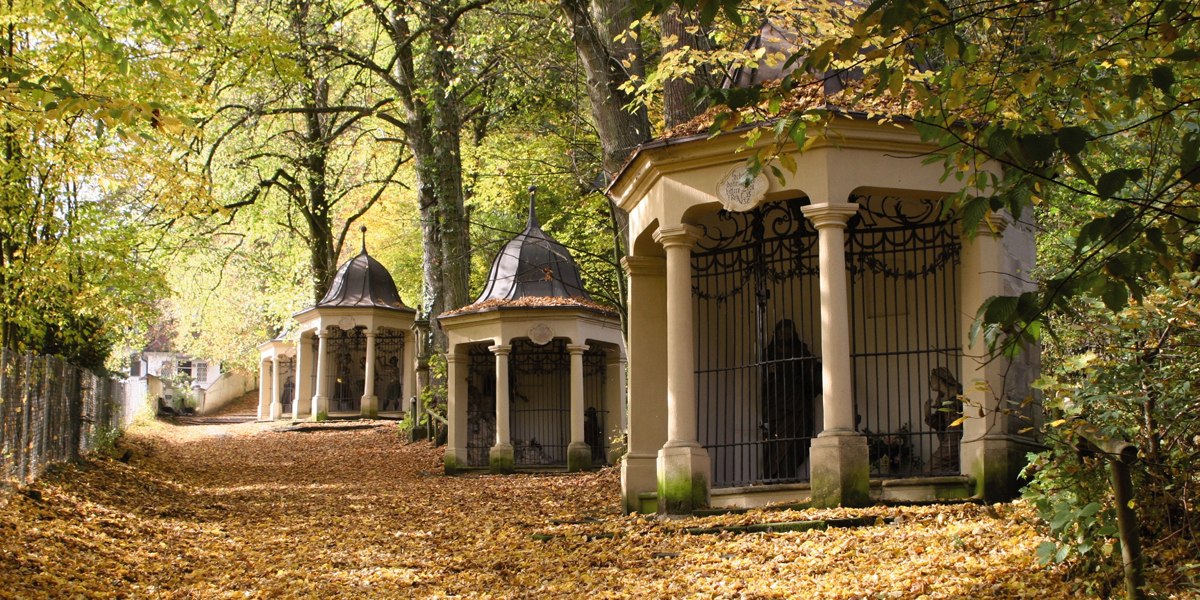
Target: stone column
(303, 379)
(420, 329)
(840, 462)
(683, 465)
(615, 419)
(579, 453)
(276, 405)
(456, 411)
(647, 402)
(500, 457)
(263, 382)
(320, 399)
(369, 405)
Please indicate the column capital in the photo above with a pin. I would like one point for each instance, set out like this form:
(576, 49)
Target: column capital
(369, 331)
(501, 349)
(644, 265)
(577, 348)
(830, 214)
(678, 235)
(454, 358)
(613, 358)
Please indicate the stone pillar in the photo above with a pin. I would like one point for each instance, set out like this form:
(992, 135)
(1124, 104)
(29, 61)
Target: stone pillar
(647, 402)
(994, 263)
(263, 382)
(320, 399)
(456, 411)
(500, 457)
(420, 352)
(615, 419)
(683, 465)
(276, 372)
(303, 379)
(579, 453)
(369, 405)
(840, 461)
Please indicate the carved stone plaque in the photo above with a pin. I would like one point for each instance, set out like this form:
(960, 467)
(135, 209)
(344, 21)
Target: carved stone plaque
(346, 323)
(541, 334)
(736, 195)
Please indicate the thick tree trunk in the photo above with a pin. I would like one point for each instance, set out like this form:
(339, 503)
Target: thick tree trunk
(594, 27)
(432, 124)
(678, 104)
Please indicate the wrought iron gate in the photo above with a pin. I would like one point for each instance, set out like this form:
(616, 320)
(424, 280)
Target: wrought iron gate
(346, 359)
(903, 257)
(481, 404)
(757, 381)
(540, 403)
(287, 383)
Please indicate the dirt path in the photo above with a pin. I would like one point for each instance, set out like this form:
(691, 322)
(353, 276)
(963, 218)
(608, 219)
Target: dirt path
(224, 511)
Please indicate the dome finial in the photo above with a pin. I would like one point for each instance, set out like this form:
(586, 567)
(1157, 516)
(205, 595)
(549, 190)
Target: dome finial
(533, 220)
(363, 229)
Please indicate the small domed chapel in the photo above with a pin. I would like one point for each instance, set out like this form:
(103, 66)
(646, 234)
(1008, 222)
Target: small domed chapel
(804, 337)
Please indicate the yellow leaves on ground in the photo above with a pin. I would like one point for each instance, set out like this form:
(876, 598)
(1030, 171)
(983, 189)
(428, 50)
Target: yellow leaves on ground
(225, 511)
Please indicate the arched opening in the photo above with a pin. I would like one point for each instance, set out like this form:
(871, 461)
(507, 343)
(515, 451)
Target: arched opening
(902, 255)
(755, 286)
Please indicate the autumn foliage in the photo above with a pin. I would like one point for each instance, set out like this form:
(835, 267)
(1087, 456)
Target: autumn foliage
(249, 511)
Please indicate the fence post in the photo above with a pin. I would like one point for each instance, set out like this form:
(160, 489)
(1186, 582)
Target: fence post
(1120, 455)
(25, 444)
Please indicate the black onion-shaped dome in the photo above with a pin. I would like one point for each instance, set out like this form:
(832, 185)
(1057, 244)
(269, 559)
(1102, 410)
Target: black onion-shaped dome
(362, 282)
(533, 264)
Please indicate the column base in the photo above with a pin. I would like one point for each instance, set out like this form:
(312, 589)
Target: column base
(841, 471)
(500, 458)
(683, 473)
(369, 407)
(320, 410)
(995, 464)
(579, 456)
(455, 460)
(639, 474)
(276, 411)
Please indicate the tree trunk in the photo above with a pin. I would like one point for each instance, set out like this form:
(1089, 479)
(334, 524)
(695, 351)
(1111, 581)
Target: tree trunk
(594, 27)
(678, 105)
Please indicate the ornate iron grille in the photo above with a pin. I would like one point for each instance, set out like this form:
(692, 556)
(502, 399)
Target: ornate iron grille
(389, 369)
(595, 417)
(902, 257)
(541, 402)
(481, 404)
(346, 353)
(287, 383)
(757, 320)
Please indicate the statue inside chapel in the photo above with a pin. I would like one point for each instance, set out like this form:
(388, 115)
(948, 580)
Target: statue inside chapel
(942, 409)
(790, 388)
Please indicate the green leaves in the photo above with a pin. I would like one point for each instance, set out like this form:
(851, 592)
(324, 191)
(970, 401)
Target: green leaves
(1113, 181)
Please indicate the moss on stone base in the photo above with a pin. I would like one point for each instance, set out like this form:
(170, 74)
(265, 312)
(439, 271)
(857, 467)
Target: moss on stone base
(834, 494)
(452, 464)
(579, 458)
(500, 462)
(321, 416)
(370, 414)
(681, 494)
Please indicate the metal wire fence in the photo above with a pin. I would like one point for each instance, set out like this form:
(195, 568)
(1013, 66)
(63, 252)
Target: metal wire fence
(52, 411)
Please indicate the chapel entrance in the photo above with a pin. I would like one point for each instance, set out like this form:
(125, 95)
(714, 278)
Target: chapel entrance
(755, 285)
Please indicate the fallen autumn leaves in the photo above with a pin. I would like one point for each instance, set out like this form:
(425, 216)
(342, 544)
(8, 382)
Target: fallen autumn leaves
(239, 511)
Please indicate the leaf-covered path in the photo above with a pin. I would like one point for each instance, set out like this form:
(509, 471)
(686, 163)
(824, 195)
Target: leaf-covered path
(226, 511)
